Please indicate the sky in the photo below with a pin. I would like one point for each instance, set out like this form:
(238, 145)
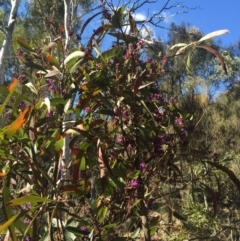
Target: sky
(214, 15)
(206, 15)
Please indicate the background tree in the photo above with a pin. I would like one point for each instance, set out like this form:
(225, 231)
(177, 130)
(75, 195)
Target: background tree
(8, 31)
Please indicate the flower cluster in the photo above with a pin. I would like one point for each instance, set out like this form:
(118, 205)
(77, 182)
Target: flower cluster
(21, 105)
(51, 85)
(178, 122)
(134, 183)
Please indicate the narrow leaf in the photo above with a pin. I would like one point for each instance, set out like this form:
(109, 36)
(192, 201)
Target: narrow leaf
(10, 91)
(218, 55)
(183, 49)
(178, 45)
(7, 211)
(213, 35)
(88, 21)
(17, 124)
(9, 222)
(135, 233)
(133, 26)
(117, 18)
(24, 44)
(229, 172)
(28, 199)
(76, 54)
(188, 65)
(32, 87)
(137, 84)
(58, 145)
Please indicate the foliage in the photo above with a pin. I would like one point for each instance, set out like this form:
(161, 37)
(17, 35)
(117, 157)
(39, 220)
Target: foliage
(131, 160)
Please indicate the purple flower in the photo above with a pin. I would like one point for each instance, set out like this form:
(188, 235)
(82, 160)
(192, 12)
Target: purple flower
(83, 228)
(87, 109)
(182, 134)
(52, 87)
(26, 221)
(148, 60)
(21, 105)
(49, 114)
(134, 183)
(19, 53)
(28, 206)
(120, 139)
(178, 122)
(28, 239)
(125, 113)
(112, 156)
(143, 167)
(70, 33)
(21, 78)
(140, 44)
(49, 81)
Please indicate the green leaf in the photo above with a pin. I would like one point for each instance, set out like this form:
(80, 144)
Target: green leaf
(143, 103)
(24, 44)
(9, 222)
(102, 213)
(136, 203)
(133, 25)
(83, 164)
(33, 65)
(76, 230)
(153, 230)
(7, 211)
(178, 216)
(58, 145)
(135, 233)
(111, 53)
(28, 199)
(134, 174)
(125, 37)
(117, 18)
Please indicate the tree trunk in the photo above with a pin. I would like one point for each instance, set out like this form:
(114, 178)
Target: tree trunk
(8, 37)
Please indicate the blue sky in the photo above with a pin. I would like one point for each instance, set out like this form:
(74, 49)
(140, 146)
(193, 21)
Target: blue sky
(214, 15)
(209, 16)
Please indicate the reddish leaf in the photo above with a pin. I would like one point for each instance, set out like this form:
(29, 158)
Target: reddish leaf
(137, 84)
(76, 166)
(229, 172)
(3, 174)
(88, 21)
(13, 85)
(17, 124)
(217, 54)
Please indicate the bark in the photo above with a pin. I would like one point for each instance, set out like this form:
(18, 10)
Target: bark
(8, 38)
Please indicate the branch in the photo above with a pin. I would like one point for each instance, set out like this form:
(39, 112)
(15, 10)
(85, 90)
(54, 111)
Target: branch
(66, 21)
